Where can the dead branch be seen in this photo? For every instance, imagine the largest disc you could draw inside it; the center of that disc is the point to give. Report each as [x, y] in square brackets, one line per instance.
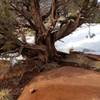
[71, 26]
[26, 17]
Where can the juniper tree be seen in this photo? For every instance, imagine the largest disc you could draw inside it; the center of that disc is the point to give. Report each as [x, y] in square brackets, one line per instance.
[42, 17]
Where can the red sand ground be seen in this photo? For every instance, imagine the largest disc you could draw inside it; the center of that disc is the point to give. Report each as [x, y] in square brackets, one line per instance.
[65, 83]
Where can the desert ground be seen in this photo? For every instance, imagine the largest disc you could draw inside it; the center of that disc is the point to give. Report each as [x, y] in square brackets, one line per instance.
[66, 83]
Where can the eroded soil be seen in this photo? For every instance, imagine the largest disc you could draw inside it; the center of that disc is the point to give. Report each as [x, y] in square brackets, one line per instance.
[55, 82]
[66, 83]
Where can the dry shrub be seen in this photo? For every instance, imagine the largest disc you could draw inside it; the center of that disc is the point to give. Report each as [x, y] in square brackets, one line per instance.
[5, 94]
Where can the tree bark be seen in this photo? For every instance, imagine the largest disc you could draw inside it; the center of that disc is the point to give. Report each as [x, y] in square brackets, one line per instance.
[45, 37]
[44, 49]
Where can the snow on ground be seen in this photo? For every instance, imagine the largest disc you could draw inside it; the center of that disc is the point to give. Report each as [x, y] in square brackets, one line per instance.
[29, 39]
[79, 40]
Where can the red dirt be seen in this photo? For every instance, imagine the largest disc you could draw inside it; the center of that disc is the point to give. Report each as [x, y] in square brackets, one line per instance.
[65, 83]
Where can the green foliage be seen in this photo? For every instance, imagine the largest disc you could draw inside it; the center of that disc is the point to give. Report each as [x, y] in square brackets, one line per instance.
[8, 46]
[98, 20]
[94, 13]
[7, 18]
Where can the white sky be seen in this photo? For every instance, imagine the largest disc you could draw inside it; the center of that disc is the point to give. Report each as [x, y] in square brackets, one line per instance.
[98, 0]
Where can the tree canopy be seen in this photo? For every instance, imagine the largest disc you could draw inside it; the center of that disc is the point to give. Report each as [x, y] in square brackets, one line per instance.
[42, 16]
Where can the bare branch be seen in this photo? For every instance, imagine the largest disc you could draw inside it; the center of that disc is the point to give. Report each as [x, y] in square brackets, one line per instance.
[38, 18]
[25, 15]
[70, 25]
[53, 12]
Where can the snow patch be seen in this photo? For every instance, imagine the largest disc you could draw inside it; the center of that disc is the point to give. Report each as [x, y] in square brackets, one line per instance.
[79, 40]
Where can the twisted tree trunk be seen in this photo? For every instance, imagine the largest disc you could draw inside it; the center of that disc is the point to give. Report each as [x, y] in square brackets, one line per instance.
[44, 49]
[45, 39]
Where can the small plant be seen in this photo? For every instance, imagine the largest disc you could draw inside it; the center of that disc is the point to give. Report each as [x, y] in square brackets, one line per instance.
[5, 94]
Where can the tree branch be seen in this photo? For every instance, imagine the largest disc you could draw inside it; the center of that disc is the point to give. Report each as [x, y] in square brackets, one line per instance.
[70, 26]
[25, 15]
[53, 12]
[38, 18]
